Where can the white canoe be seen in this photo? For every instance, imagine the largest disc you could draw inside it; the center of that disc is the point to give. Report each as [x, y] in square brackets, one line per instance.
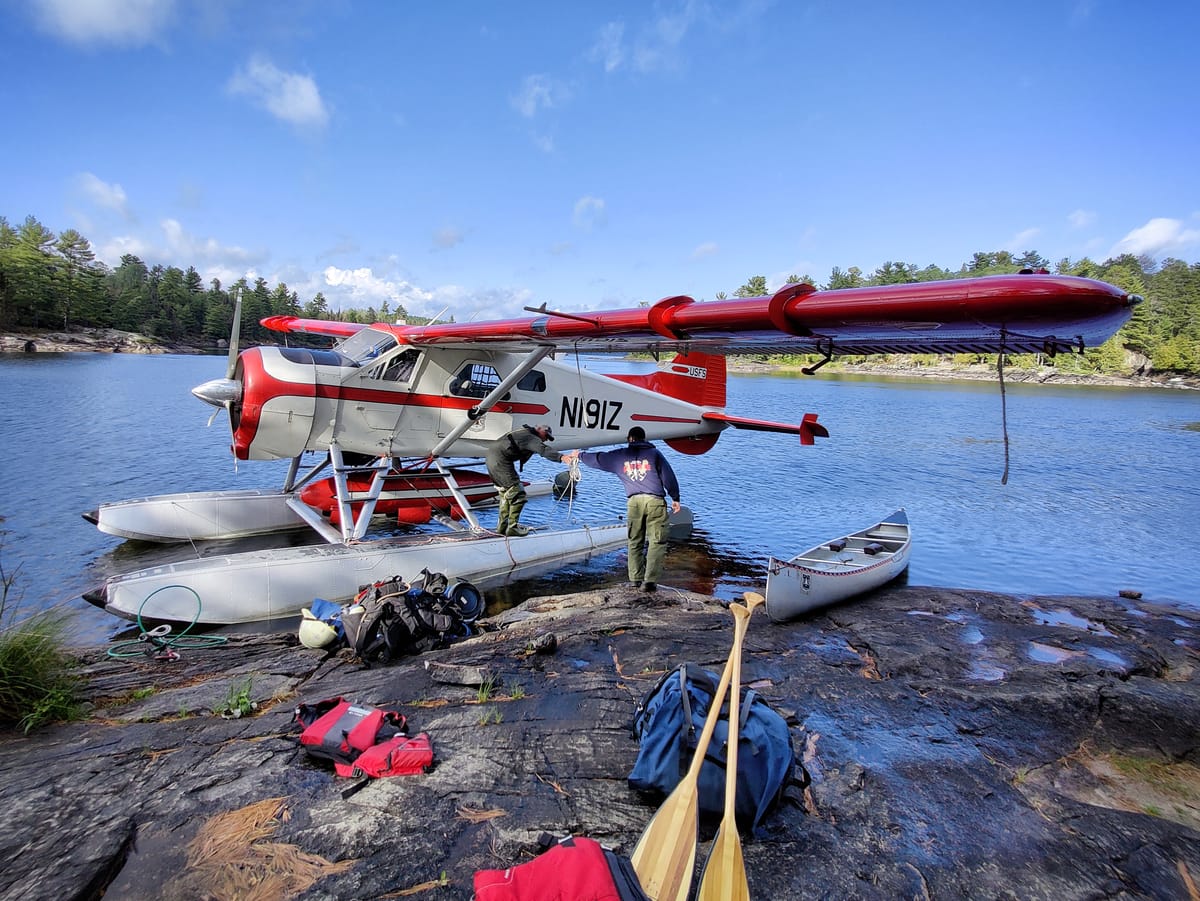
[836, 570]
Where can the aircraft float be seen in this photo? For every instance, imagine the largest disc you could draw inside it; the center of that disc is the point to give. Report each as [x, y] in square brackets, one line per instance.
[388, 406]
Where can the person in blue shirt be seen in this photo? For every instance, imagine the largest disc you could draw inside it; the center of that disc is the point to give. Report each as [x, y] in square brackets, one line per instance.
[649, 481]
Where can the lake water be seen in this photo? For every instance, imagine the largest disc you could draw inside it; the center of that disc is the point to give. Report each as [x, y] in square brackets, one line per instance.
[1102, 493]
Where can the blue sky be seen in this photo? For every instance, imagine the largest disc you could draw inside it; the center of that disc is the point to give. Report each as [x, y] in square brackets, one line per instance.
[485, 156]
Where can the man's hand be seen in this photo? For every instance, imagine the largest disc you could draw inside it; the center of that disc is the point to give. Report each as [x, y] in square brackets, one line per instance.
[570, 456]
[674, 506]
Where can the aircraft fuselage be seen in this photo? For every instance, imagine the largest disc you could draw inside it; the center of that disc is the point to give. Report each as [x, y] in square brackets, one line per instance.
[375, 397]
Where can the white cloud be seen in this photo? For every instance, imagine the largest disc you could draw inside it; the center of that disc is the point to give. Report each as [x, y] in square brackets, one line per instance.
[539, 92]
[544, 143]
[707, 249]
[658, 46]
[176, 247]
[1157, 238]
[1023, 240]
[608, 50]
[362, 288]
[182, 246]
[1082, 218]
[121, 22]
[102, 194]
[589, 213]
[448, 237]
[492, 303]
[658, 43]
[288, 96]
[111, 250]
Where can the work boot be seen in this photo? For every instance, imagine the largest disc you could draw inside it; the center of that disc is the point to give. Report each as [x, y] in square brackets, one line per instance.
[517, 530]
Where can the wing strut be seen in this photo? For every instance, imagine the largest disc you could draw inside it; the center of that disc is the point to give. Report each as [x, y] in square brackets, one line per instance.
[535, 356]
[353, 528]
[463, 504]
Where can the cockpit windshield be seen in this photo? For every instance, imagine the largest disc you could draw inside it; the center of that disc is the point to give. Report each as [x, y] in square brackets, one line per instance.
[364, 346]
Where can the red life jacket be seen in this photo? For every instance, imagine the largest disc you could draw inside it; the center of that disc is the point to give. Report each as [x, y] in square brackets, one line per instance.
[576, 867]
[362, 741]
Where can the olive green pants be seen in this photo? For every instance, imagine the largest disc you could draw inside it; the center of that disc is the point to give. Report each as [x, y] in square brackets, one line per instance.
[512, 502]
[648, 524]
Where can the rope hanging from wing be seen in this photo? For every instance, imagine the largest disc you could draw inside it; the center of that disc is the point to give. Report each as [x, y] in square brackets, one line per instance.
[574, 473]
[1003, 404]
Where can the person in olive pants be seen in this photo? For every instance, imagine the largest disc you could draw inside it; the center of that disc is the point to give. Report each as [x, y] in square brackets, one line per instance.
[648, 480]
[502, 458]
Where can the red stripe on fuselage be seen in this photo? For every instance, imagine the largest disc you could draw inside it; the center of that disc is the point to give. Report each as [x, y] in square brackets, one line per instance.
[260, 388]
[409, 399]
[646, 417]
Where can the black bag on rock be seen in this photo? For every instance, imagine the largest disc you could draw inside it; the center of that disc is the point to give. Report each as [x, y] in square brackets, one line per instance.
[392, 618]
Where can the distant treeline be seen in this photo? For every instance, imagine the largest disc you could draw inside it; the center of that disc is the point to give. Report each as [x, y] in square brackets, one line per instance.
[50, 281]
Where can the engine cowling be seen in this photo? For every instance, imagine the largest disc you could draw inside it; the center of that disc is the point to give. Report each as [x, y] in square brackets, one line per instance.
[279, 397]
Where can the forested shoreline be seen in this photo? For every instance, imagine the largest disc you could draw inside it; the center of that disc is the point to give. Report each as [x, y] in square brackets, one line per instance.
[53, 282]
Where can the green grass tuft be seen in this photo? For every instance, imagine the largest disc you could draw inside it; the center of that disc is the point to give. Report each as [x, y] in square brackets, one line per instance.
[37, 685]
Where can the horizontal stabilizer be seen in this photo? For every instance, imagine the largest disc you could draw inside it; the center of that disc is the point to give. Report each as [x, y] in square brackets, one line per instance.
[808, 429]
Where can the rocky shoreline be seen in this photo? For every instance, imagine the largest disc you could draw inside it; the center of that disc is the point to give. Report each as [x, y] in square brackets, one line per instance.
[980, 372]
[959, 744]
[107, 340]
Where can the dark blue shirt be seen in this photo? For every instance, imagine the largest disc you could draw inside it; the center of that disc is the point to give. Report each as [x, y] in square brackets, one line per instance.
[640, 467]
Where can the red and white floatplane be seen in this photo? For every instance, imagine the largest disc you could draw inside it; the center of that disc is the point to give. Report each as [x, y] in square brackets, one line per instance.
[387, 392]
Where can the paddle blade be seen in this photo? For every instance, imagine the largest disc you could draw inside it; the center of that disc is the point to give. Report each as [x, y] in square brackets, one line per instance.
[665, 856]
[753, 599]
[724, 877]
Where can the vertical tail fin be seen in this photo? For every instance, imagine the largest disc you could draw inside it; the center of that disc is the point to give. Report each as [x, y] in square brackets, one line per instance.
[695, 377]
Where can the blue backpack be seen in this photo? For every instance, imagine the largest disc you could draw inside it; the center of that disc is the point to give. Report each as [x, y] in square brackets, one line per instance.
[668, 723]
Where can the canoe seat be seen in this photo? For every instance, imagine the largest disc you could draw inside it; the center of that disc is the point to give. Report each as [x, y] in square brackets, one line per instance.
[838, 545]
[873, 548]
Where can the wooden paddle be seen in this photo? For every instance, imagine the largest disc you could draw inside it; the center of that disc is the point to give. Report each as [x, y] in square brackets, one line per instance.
[724, 875]
[665, 855]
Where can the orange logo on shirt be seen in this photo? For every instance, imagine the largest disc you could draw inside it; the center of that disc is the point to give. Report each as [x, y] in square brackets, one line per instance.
[636, 470]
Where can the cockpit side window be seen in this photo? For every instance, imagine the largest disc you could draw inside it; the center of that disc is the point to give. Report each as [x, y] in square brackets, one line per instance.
[533, 381]
[475, 380]
[400, 367]
[366, 345]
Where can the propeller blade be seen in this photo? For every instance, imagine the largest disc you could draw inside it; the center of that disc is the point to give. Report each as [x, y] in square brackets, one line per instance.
[235, 334]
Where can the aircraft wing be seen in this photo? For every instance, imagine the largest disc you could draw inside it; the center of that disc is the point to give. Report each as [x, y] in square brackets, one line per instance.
[1022, 313]
[296, 325]
[1017, 313]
